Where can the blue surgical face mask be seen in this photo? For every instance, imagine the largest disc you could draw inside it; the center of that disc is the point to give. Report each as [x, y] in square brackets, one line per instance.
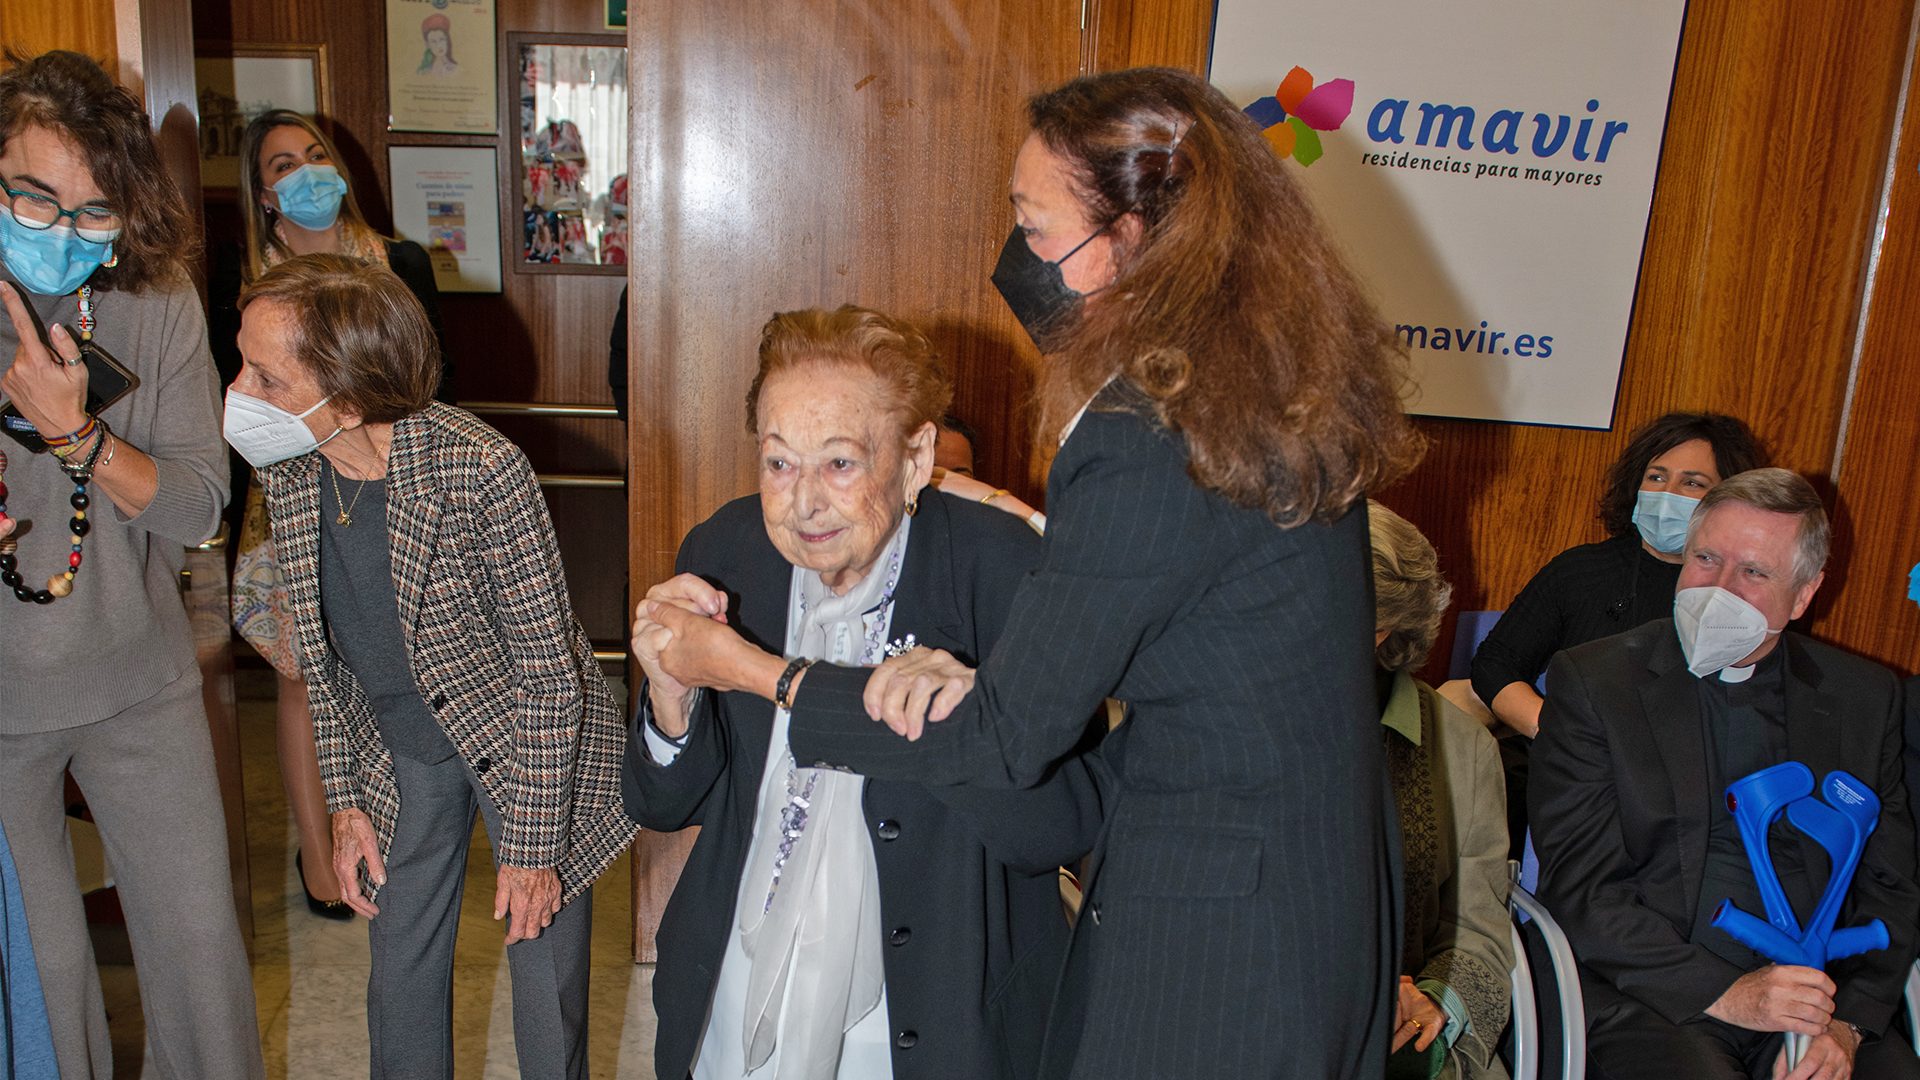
[53, 261]
[1661, 517]
[310, 196]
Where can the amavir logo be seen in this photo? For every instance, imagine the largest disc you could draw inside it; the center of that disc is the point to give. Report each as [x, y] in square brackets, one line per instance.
[1298, 111]
[1503, 132]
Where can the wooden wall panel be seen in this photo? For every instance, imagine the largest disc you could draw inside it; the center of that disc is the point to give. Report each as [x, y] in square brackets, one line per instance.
[811, 154]
[1877, 523]
[1145, 33]
[816, 154]
[86, 26]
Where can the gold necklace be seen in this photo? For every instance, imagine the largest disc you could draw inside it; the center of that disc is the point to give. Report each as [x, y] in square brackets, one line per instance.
[346, 508]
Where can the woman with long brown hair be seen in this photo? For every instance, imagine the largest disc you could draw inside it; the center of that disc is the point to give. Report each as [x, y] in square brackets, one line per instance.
[1224, 396]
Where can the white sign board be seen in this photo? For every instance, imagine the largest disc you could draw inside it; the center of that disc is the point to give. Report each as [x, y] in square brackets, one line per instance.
[447, 200]
[1491, 180]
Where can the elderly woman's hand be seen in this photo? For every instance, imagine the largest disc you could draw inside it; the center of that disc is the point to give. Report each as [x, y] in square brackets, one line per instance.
[699, 649]
[692, 592]
[1417, 1018]
[532, 897]
[670, 697]
[918, 686]
[353, 840]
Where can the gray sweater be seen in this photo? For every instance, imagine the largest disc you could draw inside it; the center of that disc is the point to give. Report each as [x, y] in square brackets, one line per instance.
[123, 633]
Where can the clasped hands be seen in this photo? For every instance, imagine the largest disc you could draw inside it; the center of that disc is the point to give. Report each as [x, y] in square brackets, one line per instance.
[1785, 997]
[682, 639]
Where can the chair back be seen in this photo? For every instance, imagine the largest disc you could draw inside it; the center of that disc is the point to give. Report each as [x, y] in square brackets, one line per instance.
[1544, 940]
[1471, 629]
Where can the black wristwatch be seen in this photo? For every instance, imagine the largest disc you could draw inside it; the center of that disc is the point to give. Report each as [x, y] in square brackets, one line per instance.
[782, 696]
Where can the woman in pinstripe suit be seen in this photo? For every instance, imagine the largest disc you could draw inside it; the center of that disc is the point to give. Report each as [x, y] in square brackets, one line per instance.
[1224, 395]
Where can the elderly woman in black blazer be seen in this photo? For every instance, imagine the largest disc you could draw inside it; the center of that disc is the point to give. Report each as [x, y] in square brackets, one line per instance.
[829, 926]
[1224, 395]
[445, 670]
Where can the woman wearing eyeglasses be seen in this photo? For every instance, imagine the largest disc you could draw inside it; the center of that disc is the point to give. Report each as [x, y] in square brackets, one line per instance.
[97, 671]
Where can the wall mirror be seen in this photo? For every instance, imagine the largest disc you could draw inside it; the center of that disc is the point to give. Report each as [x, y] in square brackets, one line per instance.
[569, 93]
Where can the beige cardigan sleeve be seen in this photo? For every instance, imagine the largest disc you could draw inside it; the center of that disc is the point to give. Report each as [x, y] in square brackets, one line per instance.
[1471, 948]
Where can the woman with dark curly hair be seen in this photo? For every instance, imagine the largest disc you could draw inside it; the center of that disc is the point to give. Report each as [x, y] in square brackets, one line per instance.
[97, 672]
[1224, 396]
[1598, 590]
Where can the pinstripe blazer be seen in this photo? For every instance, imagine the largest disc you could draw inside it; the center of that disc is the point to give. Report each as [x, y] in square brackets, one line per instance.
[1243, 916]
[494, 645]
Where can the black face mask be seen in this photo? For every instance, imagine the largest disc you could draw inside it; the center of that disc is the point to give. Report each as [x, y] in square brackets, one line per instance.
[1035, 289]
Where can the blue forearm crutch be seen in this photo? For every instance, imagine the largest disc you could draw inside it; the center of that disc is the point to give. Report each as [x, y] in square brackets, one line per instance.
[1841, 825]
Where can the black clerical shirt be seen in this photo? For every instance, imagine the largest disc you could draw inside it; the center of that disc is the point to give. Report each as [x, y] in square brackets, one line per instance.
[1745, 729]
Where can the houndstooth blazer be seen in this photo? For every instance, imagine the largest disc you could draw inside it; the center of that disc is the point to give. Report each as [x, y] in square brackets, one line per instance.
[494, 645]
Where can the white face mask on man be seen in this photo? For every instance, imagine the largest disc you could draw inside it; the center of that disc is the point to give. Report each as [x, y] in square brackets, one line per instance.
[265, 433]
[1717, 628]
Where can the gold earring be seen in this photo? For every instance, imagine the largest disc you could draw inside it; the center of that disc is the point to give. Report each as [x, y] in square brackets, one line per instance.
[913, 505]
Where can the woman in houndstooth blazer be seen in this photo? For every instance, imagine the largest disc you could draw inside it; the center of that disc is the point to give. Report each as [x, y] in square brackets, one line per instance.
[446, 671]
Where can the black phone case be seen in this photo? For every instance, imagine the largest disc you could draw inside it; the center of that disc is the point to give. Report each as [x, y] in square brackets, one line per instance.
[107, 382]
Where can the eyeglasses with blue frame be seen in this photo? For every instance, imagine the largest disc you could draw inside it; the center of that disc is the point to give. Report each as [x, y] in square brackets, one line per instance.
[40, 212]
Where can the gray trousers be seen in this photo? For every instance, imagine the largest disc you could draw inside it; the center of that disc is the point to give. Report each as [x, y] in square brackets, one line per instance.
[148, 777]
[410, 992]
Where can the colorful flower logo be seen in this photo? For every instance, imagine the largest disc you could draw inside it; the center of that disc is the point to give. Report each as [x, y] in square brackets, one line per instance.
[1298, 111]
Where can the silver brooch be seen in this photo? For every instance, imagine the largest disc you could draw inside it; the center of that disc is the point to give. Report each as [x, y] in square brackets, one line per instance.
[902, 648]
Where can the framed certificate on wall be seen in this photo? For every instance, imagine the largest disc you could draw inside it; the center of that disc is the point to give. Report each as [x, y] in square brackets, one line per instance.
[446, 199]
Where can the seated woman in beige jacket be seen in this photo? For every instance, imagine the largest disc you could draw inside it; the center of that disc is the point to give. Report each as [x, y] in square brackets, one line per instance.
[1453, 828]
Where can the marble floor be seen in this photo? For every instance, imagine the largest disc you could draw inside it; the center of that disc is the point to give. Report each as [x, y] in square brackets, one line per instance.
[310, 974]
